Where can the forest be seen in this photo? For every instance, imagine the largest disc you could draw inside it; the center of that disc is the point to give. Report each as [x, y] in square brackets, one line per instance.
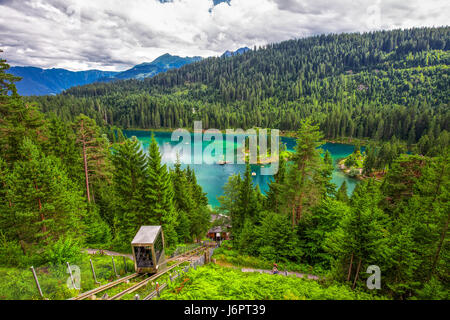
[70, 179]
[376, 85]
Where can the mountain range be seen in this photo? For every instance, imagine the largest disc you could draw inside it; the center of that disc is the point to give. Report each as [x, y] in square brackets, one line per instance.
[150, 69]
[37, 81]
[234, 53]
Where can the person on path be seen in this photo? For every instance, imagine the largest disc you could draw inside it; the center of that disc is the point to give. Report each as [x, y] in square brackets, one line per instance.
[275, 269]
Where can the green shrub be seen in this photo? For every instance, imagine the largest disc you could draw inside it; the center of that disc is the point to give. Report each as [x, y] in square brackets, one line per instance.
[11, 254]
[353, 172]
[433, 290]
[235, 258]
[214, 282]
[62, 251]
[350, 162]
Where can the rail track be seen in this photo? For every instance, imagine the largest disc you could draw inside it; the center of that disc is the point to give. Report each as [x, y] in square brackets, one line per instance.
[184, 257]
[142, 283]
[107, 286]
[200, 248]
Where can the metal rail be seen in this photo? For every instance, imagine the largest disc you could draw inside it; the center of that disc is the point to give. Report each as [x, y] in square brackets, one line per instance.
[187, 252]
[155, 276]
[156, 292]
[104, 287]
[109, 285]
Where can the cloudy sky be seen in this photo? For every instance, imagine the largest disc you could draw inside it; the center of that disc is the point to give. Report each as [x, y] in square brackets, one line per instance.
[117, 34]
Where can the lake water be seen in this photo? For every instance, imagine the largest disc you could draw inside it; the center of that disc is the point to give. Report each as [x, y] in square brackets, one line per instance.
[212, 177]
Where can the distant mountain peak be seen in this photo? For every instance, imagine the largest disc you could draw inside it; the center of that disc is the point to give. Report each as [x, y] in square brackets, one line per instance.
[235, 53]
[37, 81]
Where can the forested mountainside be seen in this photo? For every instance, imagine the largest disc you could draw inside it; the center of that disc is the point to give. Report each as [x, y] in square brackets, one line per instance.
[37, 81]
[372, 85]
[69, 181]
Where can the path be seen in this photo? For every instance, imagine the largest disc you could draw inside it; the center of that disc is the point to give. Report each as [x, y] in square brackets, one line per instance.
[283, 273]
[109, 253]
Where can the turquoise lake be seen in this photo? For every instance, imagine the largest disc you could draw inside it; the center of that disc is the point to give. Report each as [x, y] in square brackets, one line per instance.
[212, 177]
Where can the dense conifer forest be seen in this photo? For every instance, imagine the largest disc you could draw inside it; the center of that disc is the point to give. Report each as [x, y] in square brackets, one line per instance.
[376, 85]
[69, 179]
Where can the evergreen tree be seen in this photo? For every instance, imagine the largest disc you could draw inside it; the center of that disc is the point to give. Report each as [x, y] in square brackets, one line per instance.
[369, 160]
[159, 194]
[183, 192]
[45, 205]
[129, 179]
[229, 200]
[246, 203]
[198, 196]
[94, 152]
[304, 186]
[17, 118]
[342, 193]
[360, 239]
[312, 231]
[327, 173]
[274, 195]
[61, 143]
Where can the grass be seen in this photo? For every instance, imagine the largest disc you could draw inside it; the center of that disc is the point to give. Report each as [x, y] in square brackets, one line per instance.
[228, 257]
[220, 283]
[19, 284]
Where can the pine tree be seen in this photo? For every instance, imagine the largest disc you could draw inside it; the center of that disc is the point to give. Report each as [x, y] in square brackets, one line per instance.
[369, 160]
[402, 260]
[159, 194]
[304, 186]
[275, 193]
[246, 203]
[183, 193]
[360, 239]
[342, 193]
[17, 118]
[229, 200]
[327, 172]
[45, 203]
[313, 230]
[94, 152]
[200, 221]
[62, 144]
[198, 196]
[129, 179]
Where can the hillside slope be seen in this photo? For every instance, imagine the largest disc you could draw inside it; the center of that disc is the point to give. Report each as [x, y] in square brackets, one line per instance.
[37, 81]
[372, 85]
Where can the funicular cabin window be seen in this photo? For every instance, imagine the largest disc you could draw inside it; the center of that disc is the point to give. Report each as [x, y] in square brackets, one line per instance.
[144, 257]
[158, 245]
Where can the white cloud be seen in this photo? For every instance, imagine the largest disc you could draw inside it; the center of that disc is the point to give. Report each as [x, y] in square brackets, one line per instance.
[114, 34]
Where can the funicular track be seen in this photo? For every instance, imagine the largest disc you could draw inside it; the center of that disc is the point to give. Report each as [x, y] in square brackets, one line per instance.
[107, 286]
[184, 257]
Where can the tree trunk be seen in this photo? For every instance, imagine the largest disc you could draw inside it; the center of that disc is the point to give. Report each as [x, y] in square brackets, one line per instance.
[44, 229]
[300, 207]
[350, 268]
[22, 246]
[357, 274]
[293, 216]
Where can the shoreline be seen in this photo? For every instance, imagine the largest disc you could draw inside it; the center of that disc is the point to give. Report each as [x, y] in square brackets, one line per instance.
[284, 134]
